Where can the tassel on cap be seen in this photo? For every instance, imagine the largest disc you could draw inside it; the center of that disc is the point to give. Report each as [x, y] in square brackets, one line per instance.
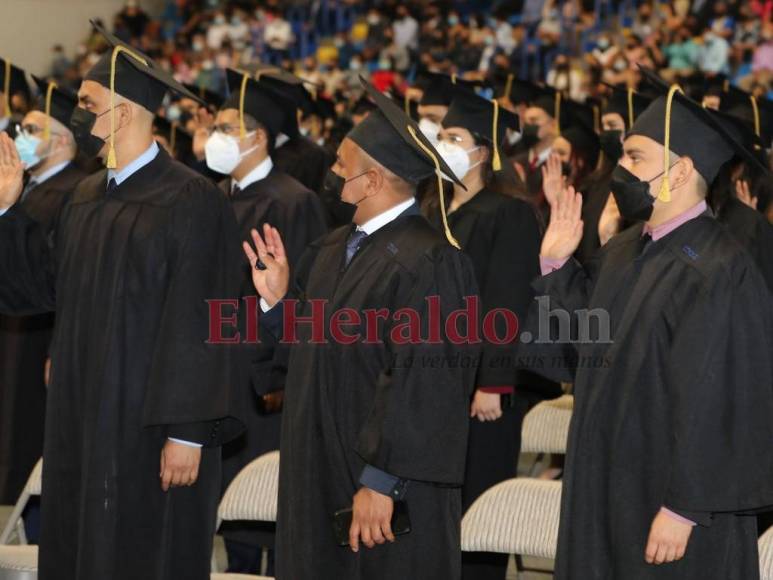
[665, 188]
[496, 162]
[557, 115]
[49, 94]
[111, 160]
[630, 108]
[431, 155]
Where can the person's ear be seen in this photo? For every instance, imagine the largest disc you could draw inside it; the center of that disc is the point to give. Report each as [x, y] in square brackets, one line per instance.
[123, 116]
[682, 171]
[375, 181]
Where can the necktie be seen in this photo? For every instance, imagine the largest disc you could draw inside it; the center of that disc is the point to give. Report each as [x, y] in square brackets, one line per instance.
[112, 184]
[353, 244]
[31, 184]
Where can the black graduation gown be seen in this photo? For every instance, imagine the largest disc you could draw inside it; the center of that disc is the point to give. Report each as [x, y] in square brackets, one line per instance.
[304, 160]
[753, 231]
[128, 276]
[673, 411]
[297, 213]
[399, 407]
[501, 236]
[24, 342]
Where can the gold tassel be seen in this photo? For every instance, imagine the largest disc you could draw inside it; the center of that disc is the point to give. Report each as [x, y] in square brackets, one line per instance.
[449, 236]
[665, 188]
[173, 136]
[496, 162]
[756, 111]
[242, 93]
[7, 88]
[509, 85]
[407, 104]
[558, 113]
[630, 108]
[49, 94]
[453, 79]
[111, 159]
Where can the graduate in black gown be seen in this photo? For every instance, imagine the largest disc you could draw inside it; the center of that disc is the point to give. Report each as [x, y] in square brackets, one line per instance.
[47, 149]
[295, 154]
[669, 451]
[618, 113]
[501, 236]
[14, 92]
[139, 402]
[258, 193]
[745, 223]
[383, 417]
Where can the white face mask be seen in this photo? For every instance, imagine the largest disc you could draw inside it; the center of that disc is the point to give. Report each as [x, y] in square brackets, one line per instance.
[223, 153]
[457, 158]
[430, 130]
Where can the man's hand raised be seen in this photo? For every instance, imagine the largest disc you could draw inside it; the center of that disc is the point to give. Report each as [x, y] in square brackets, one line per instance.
[11, 173]
[564, 231]
[270, 269]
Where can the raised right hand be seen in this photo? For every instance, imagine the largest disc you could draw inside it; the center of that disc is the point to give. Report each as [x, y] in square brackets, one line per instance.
[11, 173]
[564, 231]
[271, 283]
[553, 180]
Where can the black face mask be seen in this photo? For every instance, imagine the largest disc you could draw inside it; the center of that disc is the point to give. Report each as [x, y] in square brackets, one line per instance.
[566, 168]
[341, 211]
[530, 135]
[611, 144]
[81, 124]
[632, 194]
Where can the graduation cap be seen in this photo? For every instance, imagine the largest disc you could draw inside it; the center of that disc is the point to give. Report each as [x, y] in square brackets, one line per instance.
[550, 100]
[409, 106]
[683, 126]
[134, 76]
[180, 141]
[581, 128]
[515, 89]
[211, 98]
[394, 140]
[363, 105]
[440, 88]
[254, 98]
[324, 108]
[58, 103]
[14, 81]
[483, 117]
[625, 102]
[757, 111]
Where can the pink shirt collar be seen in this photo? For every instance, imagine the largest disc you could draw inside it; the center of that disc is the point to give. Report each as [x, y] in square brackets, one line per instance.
[667, 227]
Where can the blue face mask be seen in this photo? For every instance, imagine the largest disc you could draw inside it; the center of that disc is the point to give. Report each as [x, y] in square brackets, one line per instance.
[26, 147]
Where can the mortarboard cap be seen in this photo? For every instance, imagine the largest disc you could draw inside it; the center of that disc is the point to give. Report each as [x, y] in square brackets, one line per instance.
[254, 98]
[625, 102]
[395, 141]
[134, 76]
[483, 117]
[683, 126]
[13, 81]
[57, 102]
[211, 98]
[440, 88]
[179, 140]
[756, 111]
[516, 90]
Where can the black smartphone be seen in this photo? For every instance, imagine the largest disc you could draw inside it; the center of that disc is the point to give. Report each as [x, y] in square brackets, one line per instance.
[342, 522]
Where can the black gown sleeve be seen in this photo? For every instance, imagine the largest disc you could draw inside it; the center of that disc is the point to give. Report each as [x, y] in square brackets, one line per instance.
[513, 265]
[27, 265]
[417, 427]
[191, 389]
[720, 380]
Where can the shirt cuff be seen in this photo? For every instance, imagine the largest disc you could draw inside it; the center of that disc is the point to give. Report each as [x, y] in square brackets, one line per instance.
[548, 265]
[188, 443]
[677, 517]
[383, 482]
[502, 390]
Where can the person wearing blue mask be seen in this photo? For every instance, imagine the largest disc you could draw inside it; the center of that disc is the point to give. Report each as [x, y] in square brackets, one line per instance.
[46, 148]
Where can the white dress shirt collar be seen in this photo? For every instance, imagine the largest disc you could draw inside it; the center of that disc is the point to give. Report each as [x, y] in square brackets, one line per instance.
[382, 219]
[133, 167]
[260, 171]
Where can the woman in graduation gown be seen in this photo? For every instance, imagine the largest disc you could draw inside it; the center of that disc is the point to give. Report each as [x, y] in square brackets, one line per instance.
[669, 451]
[501, 236]
[140, 399]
